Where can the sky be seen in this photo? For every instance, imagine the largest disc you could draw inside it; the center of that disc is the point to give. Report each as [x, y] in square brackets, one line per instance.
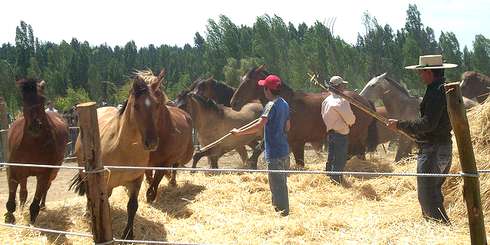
[175, 22]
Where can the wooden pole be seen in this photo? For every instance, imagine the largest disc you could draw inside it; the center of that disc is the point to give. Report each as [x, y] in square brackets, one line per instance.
[4, 125]
[97, 200]
[471, 187]
[359, 105]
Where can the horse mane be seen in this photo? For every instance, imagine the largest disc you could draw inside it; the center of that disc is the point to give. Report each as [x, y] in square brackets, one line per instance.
[208, 103]
[148, 76]
[398, 85]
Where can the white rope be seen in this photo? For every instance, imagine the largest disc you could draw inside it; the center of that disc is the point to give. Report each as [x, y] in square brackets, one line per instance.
[79, 234]
[70, 233]
[3, 130]
[152, 242]
[234, 170]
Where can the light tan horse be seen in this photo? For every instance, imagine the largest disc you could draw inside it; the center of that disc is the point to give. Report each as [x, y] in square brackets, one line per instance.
[127, 137]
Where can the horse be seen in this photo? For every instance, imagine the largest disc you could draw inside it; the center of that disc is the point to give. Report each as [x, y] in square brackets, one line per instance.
[127, 136]
[475, 86]
[213, 121]
[175, 146]
[399, 104]
[306, 122]
[37, 137]
[221, 93]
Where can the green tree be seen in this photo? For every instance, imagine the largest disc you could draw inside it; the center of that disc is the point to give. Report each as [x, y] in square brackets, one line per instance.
[452, 54]
[481, 54]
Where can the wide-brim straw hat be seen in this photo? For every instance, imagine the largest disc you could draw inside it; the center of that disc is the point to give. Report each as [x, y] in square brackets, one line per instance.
[336, 80]
[431, 62]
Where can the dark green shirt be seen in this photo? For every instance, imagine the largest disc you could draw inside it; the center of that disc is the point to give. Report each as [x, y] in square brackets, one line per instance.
[433, 126]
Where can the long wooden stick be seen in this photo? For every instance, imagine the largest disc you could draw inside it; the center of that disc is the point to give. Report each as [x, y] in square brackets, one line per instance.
[357, 104]
[211, 145]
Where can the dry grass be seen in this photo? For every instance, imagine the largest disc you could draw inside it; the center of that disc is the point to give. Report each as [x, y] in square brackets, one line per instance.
[225, 208]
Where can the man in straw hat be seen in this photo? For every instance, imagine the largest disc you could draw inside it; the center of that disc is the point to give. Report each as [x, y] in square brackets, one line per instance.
[433, 133]
[338, 117]
[275, 122]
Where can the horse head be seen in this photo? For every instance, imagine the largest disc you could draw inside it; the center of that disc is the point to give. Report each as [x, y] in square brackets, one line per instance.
[248, 89]
[32, 92]
[144, 108]
[375, 88]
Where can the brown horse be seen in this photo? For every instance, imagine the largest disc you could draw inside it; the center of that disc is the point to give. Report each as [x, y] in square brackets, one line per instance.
[213, 121]
[37, 137]
[306, 121]
[475, 86]
[127, 136]
[175, 138]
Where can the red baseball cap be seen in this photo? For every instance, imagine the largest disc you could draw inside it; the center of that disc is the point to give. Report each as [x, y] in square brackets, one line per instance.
[271, 82]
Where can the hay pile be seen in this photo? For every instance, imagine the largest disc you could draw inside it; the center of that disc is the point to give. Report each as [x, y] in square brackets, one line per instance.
[236, 209]
[479, 122]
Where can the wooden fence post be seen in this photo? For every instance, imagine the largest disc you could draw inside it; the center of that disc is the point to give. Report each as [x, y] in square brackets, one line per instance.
[471, 187]
[4, 125]
[97, 199]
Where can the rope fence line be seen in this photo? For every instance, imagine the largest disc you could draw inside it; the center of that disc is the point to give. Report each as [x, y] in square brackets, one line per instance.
[79, 234]
[237, 170]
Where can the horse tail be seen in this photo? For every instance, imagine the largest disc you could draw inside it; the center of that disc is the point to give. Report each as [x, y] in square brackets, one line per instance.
[78, 184]
[372, 137]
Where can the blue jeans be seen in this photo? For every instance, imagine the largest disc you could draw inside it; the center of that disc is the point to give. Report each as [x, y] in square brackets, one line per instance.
[337, 154]
[278, 184]
[433, 158]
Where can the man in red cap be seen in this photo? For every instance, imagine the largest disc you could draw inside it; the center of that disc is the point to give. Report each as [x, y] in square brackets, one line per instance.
[275, 121]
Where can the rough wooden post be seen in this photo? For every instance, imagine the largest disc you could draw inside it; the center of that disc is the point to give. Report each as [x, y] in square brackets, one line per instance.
[471, 187]
[4, 125]
[97, 200]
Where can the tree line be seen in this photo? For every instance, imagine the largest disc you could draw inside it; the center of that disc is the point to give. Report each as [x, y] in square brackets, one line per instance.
[76, 71]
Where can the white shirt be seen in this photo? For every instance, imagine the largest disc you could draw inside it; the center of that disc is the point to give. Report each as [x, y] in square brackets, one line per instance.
[53, 110]
[337, 114]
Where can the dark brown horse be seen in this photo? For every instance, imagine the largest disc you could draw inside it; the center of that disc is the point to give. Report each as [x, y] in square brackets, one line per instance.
[220, 92]
[306, 121]
[37, 137]
[175, 147]
[127, 136]
[475, 86]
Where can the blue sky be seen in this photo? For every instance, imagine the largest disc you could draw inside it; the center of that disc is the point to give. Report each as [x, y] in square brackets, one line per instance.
[175, 22]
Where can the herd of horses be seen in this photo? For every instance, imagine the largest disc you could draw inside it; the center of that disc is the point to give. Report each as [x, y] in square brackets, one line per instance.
[152, 130]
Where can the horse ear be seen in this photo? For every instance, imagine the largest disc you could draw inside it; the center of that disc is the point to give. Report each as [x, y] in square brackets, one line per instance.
[161, 76]
[42, 85]
[260, 68]
[156, 84]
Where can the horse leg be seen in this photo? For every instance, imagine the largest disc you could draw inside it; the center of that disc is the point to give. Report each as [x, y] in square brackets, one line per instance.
[173, 179]
[257, 150]
[42, 206]
[196, 159]
[133, 190]
[23, 192]
[214, 161]
[41, 189]
[298, 149]
[151, 193]
[9, 215]
[243, 153]
[149, 176]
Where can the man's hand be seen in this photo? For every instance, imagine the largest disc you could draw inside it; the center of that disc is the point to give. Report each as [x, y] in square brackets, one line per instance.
[235, 131]
[392, 124]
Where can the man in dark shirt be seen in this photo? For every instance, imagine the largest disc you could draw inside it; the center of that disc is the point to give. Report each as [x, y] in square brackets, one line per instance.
[275, 122]
[433, 133]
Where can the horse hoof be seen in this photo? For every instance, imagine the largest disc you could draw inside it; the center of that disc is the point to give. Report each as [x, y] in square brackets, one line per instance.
[173, 183]
[150, 196]
[9, 218]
